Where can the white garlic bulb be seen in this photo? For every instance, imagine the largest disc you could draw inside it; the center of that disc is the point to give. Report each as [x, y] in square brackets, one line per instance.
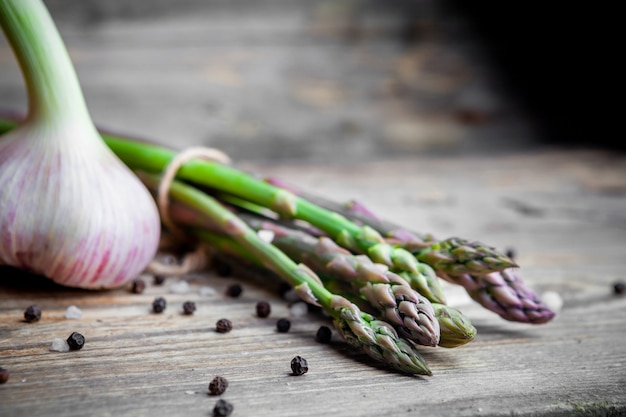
[69, 208]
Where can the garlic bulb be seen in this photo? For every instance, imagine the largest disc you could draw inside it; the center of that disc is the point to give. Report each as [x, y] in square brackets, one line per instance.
[69, 208]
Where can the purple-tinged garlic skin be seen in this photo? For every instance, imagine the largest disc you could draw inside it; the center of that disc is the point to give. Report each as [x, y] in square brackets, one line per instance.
[71, 210]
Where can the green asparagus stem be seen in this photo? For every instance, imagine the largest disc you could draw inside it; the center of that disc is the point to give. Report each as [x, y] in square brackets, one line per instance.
[455, 328]
[411, 314]
[425, 282]
[452, 256]
[455, 256]
[376, 338]
[503, 292]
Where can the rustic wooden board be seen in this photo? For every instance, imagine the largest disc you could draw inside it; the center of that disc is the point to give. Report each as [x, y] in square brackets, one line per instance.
[345, 85]
[562, 212]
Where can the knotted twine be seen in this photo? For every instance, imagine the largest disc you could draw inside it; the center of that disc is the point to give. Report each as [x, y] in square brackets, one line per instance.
[200, 257]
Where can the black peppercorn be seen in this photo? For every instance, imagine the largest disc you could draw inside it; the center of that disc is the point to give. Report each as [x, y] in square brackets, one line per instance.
[4, 375]
[234, 290]
[76, 341]
[510, 252]
[138, 286]
[189, 307]
[283, 325]
[299, 366]
[263, 309]
[159, 279]
[159, 304]
[223, 326]
[619, 288]
[323, 334]
[32, 313]
[222, 408]
[218, 385]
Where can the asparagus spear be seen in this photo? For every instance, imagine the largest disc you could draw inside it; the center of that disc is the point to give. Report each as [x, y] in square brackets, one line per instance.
[375, 337]
[332, 262]
[503, 292]
[452, 256]
[455, 328]
[409, 312]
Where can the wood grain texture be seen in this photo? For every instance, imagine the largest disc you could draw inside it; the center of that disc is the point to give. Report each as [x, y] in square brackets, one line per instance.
[277, 81]
[562, 213]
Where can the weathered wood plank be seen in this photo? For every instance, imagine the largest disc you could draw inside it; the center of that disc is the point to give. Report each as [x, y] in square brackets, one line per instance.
[136, 363]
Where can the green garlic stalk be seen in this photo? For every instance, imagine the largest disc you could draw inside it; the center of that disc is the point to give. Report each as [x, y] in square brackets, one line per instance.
[376, 338]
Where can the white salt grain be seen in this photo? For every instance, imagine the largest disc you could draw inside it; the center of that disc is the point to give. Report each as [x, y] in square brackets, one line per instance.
[298, 309]
[553, 300]
[180, 287]
[266, 235]
[206, 291]
[73, 313]
[59, 345]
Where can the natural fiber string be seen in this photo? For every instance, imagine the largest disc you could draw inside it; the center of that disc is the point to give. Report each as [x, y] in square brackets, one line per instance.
[201, 256]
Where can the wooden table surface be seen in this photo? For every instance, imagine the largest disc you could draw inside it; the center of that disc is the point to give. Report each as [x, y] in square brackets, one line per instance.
[563, 214]
[346, 109]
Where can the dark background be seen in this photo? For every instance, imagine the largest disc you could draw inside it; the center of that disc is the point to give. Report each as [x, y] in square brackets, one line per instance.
[336, 79]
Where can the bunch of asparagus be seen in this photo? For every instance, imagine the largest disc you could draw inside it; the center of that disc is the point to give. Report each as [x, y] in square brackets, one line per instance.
[378, 282]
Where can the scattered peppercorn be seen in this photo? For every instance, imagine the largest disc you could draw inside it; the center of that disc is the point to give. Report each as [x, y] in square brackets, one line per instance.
[189, 307]
[263, 309]
[159, 279]
[138, 286]
[76, 341]
[222, 408]
[323, 334]
[4, 375]
[619, 288]
[510, 252]
[223, 326]
[234, 290]
[283, 325]
[218, 385]
[159, 304]
[32, 313]
[299, 366]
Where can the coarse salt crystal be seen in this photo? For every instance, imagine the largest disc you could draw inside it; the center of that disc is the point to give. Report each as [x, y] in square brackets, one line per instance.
[553, 300]
[266, 235]
[180, 287]
[206, 291]
[73, 313]
[298, 309]
[59, 345]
